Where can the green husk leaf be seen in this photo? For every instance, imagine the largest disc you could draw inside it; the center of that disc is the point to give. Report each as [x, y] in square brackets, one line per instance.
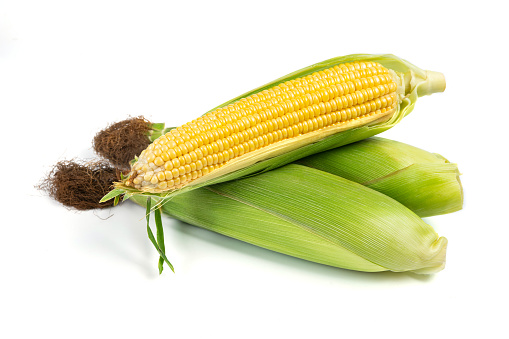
[160, 238]
[160, 235]
[424, 182]
[112, 194]
[317, 216]
[418, 87]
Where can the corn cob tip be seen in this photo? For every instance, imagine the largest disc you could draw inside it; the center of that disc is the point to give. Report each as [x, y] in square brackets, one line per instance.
[434, 83]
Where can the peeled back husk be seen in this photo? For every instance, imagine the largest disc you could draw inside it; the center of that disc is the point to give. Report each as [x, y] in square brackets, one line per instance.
[425, 182]
[316, 216]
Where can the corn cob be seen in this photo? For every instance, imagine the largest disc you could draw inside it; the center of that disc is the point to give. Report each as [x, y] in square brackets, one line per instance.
[326, 105]
[327, 219]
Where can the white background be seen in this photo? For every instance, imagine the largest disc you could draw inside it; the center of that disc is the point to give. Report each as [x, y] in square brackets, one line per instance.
[69, 68]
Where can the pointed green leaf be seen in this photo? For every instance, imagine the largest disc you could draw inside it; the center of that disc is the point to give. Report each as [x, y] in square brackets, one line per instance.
[112, 194]
[160, 234]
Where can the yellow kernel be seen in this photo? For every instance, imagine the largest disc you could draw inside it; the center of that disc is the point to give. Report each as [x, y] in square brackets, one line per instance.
[215, 134]
[214, 147]
[270, 138]
[193, 156]
[320, 121]
[203, 150]
[168, 165]
[235, 150]
[321, 106]
[183, 149]
[241, 149]
[210, 149]
[165, 156]
[251, 145]
[161, 176]
[182, 170]
[172, 154]
[199, 165]
[219, 157]
[168, 175]
[162, 185]
[175, 162]
[159, 161]
[154, 180]
[190, 145]
[210, 159]
[148, 176]
[199, 140]
[236, 139]
[171, 144]
[224, 156]
[178, 151]
[151, 158]
[263, 140]
[289, 132]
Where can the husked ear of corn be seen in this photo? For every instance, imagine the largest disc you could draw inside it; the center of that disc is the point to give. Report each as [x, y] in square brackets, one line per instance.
[320, 107]
[424, 182]
[314, 215]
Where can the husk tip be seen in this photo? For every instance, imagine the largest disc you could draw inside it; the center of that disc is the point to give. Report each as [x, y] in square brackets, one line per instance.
[437, 262]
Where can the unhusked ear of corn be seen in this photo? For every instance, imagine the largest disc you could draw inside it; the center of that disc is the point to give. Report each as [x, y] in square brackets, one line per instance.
[326, 105]
[424, 182]
[317, 216]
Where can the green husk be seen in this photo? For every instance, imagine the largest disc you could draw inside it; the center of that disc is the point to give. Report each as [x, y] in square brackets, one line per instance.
[420, 83]
[424, 182]
[316, 216]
